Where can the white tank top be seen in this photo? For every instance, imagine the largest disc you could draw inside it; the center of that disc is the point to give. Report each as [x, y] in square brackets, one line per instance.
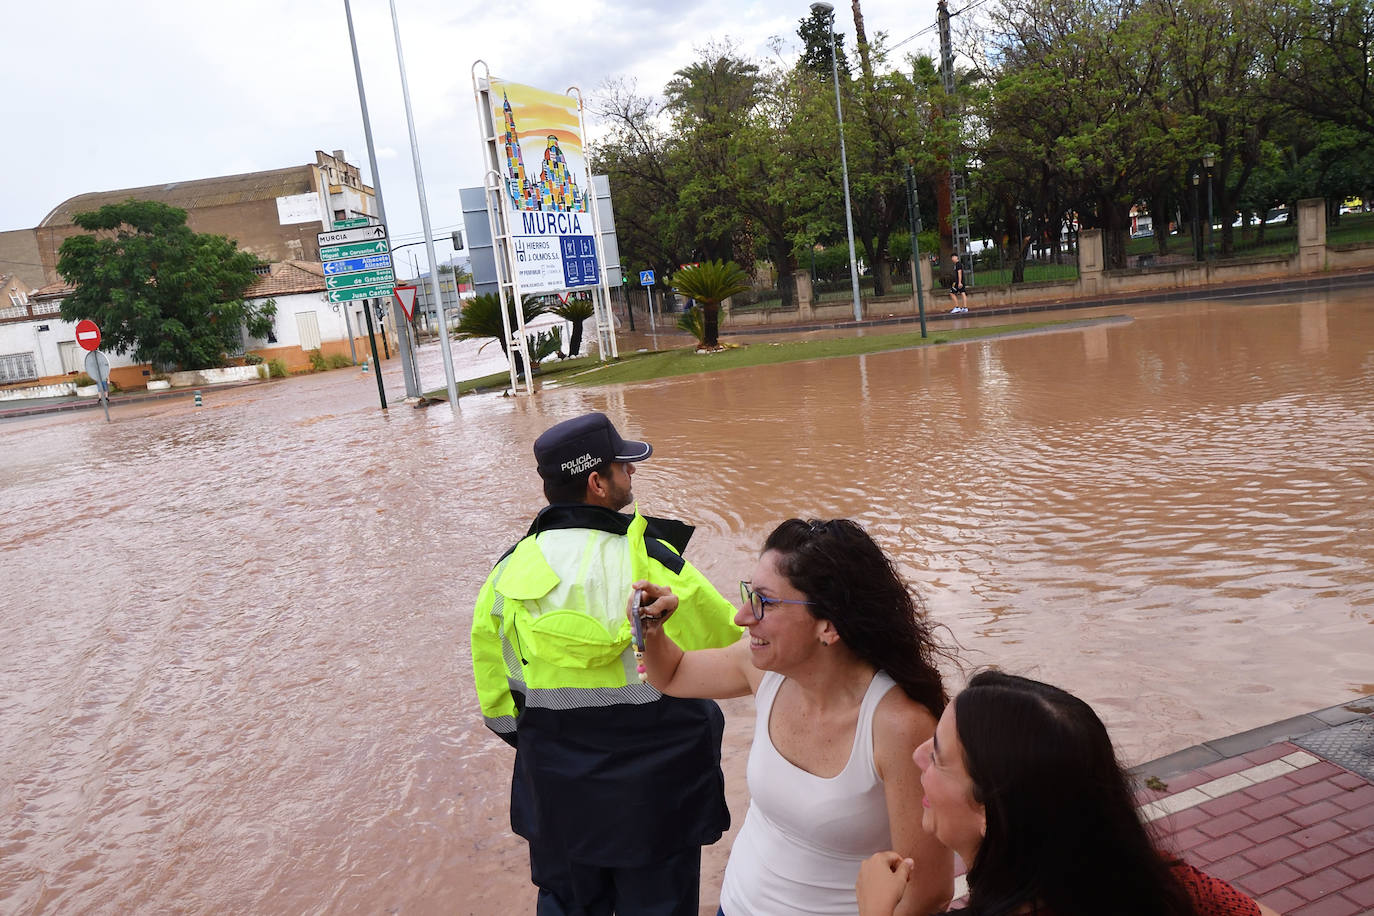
[805, 836]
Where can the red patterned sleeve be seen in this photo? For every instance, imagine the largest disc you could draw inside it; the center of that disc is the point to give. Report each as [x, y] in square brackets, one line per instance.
[1213, 896]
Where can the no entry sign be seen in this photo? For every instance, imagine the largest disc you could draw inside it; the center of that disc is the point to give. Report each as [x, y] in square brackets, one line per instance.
[87, 334]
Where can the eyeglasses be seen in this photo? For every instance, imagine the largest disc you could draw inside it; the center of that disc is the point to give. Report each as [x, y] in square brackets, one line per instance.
[758, 603]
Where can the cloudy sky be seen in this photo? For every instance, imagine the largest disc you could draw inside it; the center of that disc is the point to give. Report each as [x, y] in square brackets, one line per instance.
[103, 95]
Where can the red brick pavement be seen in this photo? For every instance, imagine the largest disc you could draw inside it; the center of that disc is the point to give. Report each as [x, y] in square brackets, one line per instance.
[1300, 840]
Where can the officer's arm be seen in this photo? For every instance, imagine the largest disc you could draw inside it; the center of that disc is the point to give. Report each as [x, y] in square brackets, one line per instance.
[489, 669]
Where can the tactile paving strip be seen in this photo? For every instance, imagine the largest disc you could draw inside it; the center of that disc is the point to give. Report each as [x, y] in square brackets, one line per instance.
[1350, 745]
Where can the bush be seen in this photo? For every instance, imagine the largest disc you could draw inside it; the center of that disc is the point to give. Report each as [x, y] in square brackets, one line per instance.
[317, 363]
[693, 322]
[544, 344]
[83, 380]
[159, 377]
[276, 368]
[338, 361]
[252, 359]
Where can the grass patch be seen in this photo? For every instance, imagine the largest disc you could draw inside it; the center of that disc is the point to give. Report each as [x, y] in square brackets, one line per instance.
[1035, 273]
[643, 367]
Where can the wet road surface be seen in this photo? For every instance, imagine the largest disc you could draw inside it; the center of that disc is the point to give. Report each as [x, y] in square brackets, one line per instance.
[237, 676]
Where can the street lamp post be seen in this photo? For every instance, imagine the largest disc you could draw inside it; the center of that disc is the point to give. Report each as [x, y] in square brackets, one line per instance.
[829, 12]
[1208, 161]
[1197, 219]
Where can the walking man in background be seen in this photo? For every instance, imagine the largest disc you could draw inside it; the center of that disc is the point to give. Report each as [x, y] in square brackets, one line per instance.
[957, 288]
[615, 786]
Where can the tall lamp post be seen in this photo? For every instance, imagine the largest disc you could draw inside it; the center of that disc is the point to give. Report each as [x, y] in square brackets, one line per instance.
[828, 11]
[1208, 160]
[1197, 219]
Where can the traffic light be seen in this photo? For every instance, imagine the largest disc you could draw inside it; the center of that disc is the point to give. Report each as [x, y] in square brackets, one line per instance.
[457, 239]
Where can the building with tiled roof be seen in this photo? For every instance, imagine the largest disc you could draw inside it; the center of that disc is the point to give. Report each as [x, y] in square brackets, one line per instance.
[38, 347]
[275, 214]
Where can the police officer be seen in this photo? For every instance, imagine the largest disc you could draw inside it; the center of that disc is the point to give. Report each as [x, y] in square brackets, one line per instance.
[615, 787]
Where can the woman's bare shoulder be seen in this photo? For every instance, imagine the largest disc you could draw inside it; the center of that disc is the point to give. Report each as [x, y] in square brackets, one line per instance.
[902, 719]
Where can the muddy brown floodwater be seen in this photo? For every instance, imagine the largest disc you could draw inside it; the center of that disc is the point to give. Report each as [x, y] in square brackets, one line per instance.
[236, 674]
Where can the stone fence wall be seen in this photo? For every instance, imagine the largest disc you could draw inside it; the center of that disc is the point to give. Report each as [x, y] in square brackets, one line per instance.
[1094, 282]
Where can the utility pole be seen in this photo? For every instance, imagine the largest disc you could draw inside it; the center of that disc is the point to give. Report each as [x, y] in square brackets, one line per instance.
[405, 344]
[958, 195]
[444, 343]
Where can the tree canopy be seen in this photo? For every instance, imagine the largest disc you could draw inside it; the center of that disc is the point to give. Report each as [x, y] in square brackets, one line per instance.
[171, 297]
[1074, 113]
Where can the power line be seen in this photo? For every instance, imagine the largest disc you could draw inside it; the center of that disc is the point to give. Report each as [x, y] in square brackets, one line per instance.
[930, 28]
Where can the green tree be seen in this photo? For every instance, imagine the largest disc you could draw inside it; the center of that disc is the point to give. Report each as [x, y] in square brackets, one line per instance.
[641, 159]
[1092, 77]
[1321, 60]
[814, 31]
[171, 297]
[710, 283]
[1216, 92]
[711, 101]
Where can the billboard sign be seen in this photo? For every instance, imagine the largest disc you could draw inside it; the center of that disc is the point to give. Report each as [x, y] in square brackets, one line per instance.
[546, 188]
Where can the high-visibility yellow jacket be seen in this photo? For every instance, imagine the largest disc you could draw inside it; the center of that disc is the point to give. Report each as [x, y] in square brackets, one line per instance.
[607, 769]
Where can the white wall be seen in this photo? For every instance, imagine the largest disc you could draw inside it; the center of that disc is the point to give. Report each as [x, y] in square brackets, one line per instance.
[27, 337]
[331, 322]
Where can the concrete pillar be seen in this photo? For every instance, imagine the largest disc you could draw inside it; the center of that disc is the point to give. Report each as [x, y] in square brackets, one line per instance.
[802, 281]
[1090, 261]
[1311, 235]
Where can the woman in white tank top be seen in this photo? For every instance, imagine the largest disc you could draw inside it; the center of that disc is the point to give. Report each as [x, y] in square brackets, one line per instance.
[831, 630]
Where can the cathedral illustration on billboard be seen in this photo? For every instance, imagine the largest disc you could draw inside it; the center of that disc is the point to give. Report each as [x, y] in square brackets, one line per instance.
[555, 190]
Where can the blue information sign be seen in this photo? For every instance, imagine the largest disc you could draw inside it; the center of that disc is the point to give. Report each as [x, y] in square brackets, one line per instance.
[579, 260]
[646, 278]
[354, 265]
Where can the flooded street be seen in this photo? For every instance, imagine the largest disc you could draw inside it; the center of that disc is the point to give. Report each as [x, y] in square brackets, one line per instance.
[236, 671]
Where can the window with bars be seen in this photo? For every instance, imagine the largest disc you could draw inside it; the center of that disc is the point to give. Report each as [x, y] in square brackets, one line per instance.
[17, 367]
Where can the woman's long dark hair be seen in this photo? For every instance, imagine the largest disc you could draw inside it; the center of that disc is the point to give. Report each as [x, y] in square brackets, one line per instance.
[854, 586]
[1062, 829]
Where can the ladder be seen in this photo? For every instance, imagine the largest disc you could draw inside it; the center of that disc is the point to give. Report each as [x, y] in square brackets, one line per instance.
[958, 190]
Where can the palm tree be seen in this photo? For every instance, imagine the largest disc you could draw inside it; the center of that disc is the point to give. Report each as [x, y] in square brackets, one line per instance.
[710, 283]
[482, 318]
[576, 309]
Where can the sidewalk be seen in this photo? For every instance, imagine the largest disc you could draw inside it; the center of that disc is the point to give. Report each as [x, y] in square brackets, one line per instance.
[1285, 812]
[72, 402]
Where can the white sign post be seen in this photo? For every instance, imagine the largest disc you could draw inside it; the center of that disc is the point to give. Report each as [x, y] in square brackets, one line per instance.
[98, 368]
[540, 204]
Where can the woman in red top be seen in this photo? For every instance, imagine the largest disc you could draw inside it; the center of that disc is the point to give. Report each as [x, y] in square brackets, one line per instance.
[1021, 780]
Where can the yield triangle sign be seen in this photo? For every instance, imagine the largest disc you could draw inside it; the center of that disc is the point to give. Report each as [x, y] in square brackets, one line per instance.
[405, 298]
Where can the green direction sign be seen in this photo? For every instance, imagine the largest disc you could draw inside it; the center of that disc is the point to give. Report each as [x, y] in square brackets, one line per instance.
[361, 292]
[357, 249]
[365, 278]
[351, 223]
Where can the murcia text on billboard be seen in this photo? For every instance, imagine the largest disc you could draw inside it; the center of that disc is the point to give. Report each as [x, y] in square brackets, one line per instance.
[551, 223]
